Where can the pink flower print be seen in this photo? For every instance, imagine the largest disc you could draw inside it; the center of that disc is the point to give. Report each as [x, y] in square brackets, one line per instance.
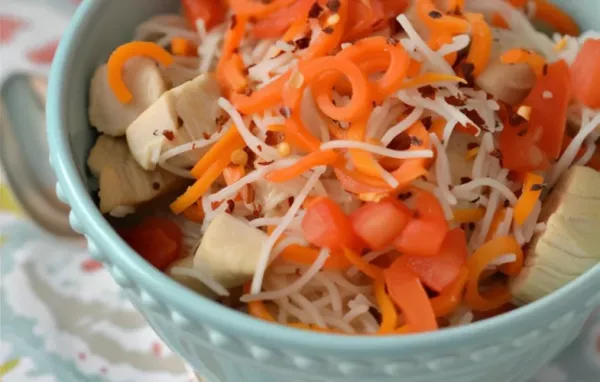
[10, 26]
[89, 266]
[44, 54]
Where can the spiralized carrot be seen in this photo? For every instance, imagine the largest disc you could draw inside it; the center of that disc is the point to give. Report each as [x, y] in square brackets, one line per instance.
[357, 183]
[496, 221]
[498, 21]
[534, 60]
[481, 43]
[363, 51]
[233, 73]
[373, 271]
[233, 174]
[232, 41]
[555, 17]
[183, 47]
[262, 99]
[532, 190]
[310, 71]
[306, 163]
[389, 315]
[328, 41]
[202, 185]
[216, 151]
[307, 256]
[450, 298]
[297, 135]
[122, 54]
[430, 79]
[470, 215]
[194, 213]
[437, 21]
[257, 9]
[412, 169]
[336, 131]
[477, 264]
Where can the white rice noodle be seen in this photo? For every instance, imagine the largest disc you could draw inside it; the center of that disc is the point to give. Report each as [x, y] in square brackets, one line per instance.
[423, 185]
[517, 22]
[590, 150]
[435, 60]
[333, 293]
[261, 71]
[266, 152]
[256, 175]
[492, 206]
[570, 153]
[519, 234]
[414, 99]
[388, 177]
[402, 126]
[369, 323]
[504, 227]
[347, 286]
[311, 117]
[489, 182]
[375, 149]
[355, 312]
[540, 228]
[284, 269]
[204, 277]
[377, 117]
[458, 43]
[443, 173]
[309, 308]
[287, 309]
[209, 49]
[487, 145]
[371, 256]
[294, 287]
[340, 324]
[456, 114]
[448, 130]
[266, 257]
[446, 207]
[265, 222]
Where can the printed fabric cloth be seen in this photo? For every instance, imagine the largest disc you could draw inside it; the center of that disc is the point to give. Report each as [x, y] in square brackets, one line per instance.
[62, 317]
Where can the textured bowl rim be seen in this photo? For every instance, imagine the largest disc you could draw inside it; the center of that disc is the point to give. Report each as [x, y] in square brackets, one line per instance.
[99, 232]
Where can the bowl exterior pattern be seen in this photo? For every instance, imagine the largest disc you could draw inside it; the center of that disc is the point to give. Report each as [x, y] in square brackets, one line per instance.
[227, 347]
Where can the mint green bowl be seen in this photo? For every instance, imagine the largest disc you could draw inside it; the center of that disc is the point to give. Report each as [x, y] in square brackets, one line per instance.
[227, 346]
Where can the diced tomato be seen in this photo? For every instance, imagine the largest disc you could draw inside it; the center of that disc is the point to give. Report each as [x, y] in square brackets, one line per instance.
[358, 183]
[211, 11]
[519, 144]
[408, 293]
[425, 233]
[276, 24]
[585, 74]
[440, 271]
[549, 113]
[157, 240]
[378, 224]
[325, 225]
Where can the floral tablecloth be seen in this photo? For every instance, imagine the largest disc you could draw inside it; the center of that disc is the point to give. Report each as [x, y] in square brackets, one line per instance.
[62, 318]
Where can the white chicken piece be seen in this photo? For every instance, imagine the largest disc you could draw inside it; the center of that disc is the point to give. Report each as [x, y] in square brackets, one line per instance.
[230, 250]
[183, 114]
[569, 245]
[510, 83]
[109, 115]
[123, 183]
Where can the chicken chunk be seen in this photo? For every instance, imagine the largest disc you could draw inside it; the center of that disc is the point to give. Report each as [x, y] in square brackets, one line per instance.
[230, 249]
[510, 83]
[569, 245]
[123, 183]
[107, 114]
[185, 113]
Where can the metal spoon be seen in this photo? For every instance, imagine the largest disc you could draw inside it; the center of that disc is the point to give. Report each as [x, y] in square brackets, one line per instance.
[24, 153]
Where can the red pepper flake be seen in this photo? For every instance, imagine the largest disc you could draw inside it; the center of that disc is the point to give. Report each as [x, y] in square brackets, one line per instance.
[315, 11]
[291, 200]
[259, 148]
[415, 141]
[222, 120]
[157, 349]
[435, 14]
[266, 163]
[454, 101]
[273, 138]
[233, 21]
[474, 116]
[465, 180]
[545, 70]
[230, 206]
[506, 203]
[286, 112]
[328, 30]
[334, 5]
[302, 43]
[169, 135]
[427, 122]
[156, 186]
[392, 41]
[405, 196]
[538, 187]
[427, 92]
[522, 132]
[467, 69]
[472, 226]
[206, 135]
[82, 356]
[90, 265]
[104, 370]
[179, 122]
[401, 142]
[472, 146]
